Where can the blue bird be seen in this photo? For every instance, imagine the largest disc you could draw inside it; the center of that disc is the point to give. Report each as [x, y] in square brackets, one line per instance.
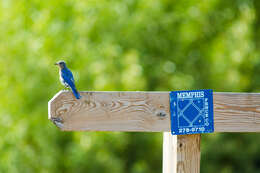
[66, 78]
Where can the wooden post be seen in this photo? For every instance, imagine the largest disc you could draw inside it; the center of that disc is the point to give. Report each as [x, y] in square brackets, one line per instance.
[181, 154]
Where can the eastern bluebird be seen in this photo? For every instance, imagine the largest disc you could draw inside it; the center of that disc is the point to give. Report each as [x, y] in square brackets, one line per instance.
[66, 78]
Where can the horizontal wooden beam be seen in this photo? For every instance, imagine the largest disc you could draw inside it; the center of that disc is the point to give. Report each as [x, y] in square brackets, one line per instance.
[147, 111]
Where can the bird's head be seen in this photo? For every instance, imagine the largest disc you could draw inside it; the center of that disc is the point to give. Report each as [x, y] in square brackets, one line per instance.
[61, 64]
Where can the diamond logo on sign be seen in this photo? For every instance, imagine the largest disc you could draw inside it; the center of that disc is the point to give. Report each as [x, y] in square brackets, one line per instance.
[191, 112]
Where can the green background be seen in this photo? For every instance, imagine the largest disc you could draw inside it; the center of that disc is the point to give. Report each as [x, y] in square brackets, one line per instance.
[143, 45]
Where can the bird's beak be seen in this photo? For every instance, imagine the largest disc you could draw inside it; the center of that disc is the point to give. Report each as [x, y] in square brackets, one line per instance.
[56, 63]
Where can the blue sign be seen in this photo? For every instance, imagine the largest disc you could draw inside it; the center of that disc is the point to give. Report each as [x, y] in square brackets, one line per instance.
[191, 112]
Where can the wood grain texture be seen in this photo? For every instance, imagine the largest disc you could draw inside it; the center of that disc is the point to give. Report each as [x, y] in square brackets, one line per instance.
[237, 112]
[147, 111]
[111, 111]
[181, 153]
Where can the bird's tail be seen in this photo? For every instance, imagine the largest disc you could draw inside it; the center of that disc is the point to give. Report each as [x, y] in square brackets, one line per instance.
[76, 93]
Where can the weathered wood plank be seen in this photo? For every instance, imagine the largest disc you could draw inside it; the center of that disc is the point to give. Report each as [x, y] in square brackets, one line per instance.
[147, 111]
[111, 111]
[181, 153]
[237, 112]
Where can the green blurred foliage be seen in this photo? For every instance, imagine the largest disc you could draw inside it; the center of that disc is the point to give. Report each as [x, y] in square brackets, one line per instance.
[121, 45]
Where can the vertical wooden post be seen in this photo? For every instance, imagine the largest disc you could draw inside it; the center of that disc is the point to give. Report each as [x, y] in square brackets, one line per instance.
[181, 154]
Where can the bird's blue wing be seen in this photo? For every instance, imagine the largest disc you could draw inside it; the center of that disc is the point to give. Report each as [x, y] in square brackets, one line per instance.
[69, 80]
[68, 77]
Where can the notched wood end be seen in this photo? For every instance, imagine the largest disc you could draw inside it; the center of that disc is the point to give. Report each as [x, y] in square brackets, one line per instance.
[58, 121]
[50, 107]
